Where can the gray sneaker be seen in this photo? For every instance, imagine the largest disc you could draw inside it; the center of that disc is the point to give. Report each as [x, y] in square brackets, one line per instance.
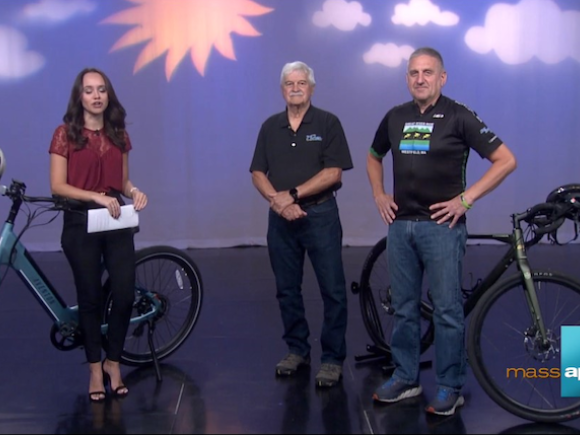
[290, 364]
[394, 390]
[445, 402]
[328, 375]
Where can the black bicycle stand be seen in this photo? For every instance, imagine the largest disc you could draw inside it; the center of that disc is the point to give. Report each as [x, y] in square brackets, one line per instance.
[388, 367]
[150, 331]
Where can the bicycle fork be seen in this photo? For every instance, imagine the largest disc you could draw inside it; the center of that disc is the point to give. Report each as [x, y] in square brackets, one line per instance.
[530, 291]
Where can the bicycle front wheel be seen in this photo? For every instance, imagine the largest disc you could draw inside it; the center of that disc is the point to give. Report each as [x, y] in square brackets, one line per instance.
[507, 355]
[375, 302]
[174, 279]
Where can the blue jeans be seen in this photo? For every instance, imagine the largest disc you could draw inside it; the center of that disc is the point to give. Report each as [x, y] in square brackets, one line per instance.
[320, 235]
[415, 248]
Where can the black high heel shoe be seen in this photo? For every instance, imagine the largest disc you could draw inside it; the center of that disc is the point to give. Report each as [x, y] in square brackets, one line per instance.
[120, 391]
[97, 396]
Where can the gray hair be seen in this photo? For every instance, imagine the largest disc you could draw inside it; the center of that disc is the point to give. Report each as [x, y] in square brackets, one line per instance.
[297, 66]
[428, 51]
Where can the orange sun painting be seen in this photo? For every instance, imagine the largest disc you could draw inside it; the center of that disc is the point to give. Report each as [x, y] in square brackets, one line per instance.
[179, 26]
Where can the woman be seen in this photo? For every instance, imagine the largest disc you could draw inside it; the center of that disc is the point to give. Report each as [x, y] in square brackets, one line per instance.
[89, 162]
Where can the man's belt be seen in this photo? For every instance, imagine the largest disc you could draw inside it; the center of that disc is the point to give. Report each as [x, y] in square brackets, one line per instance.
[315, 199]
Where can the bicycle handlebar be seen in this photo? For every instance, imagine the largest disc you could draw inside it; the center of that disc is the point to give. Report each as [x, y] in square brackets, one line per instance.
[59, 202]
[547, 217]
[17, 189]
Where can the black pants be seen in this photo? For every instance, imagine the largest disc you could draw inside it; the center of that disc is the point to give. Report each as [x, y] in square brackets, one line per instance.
[87, 253]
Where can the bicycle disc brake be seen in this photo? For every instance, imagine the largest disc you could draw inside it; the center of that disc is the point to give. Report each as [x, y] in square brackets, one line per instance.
[385, 298]
[65, 336]
[537, 348]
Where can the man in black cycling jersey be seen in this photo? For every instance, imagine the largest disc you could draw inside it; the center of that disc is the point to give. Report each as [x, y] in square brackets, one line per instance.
[430, 138]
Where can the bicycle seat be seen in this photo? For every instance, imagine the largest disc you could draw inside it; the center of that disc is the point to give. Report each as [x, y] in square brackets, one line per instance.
[567, 194]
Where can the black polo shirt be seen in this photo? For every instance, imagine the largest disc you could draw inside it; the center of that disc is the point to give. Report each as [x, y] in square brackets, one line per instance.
[290, 158]
[430, 152]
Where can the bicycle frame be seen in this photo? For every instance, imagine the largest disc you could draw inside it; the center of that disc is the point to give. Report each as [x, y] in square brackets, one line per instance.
[545, 218]
[14, 254]
[152, 302]
[521, 307]
[495, 274]
[517, 253]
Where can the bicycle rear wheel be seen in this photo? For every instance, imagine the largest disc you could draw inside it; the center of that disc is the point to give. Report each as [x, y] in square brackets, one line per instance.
[175, 280]
[375, 302]
[510, 363]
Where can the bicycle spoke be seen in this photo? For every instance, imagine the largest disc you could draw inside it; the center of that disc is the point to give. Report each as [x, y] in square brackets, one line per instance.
[175, 281]
[515, 366]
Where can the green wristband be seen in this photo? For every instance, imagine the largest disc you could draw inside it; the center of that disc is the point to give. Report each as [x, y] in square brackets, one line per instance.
[464, 202]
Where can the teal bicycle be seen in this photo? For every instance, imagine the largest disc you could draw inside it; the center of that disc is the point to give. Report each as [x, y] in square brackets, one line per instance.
[168, 292]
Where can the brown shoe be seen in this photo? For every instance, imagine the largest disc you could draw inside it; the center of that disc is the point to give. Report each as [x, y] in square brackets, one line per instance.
[290, 364]
[328, 375]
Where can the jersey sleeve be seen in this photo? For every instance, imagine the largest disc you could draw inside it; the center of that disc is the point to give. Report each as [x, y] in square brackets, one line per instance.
[477, 134]
[381, 143]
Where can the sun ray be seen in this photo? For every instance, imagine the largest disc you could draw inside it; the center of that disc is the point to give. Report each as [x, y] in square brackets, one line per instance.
[128, 16]
[178, 26]
[199, 57]
[226, 47]
[132, 37]
[252, 8]
[174, 57]
[148, 54]
[243, 27]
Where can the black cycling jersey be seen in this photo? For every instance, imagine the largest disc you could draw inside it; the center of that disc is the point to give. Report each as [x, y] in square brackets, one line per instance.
[430, 152]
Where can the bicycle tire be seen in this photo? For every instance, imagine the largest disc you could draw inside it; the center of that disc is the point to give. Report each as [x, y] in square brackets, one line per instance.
[175, 279]
[374, 292]
[501, 323]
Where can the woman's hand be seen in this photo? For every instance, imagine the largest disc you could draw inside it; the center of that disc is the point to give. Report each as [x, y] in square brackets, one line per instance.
[139, 199]
[110, 203]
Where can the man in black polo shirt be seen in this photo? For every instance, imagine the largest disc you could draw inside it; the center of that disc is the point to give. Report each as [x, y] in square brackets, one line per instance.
[297, 167]
[430, 139]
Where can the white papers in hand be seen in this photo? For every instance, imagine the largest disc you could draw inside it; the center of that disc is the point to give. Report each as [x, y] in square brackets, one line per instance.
[100, 219]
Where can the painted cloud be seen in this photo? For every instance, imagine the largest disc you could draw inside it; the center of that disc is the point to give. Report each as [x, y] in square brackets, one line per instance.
[15, 59]
[513, 32]
[341, 14]
[422, 12]
[55, 11]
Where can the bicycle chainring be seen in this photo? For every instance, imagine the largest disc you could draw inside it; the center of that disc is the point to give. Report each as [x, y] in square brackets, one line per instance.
[65, 336]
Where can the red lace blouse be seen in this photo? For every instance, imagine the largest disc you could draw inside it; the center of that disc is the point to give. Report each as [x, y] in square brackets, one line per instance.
[97, 167]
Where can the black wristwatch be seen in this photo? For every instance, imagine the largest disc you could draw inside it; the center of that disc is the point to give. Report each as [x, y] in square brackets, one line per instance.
[294, 194]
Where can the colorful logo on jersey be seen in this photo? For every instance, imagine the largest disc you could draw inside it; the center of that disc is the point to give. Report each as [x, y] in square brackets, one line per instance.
[313, 138]
[416, 138]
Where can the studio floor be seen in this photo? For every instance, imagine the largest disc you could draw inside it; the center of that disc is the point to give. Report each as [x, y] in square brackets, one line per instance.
[222, 379]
